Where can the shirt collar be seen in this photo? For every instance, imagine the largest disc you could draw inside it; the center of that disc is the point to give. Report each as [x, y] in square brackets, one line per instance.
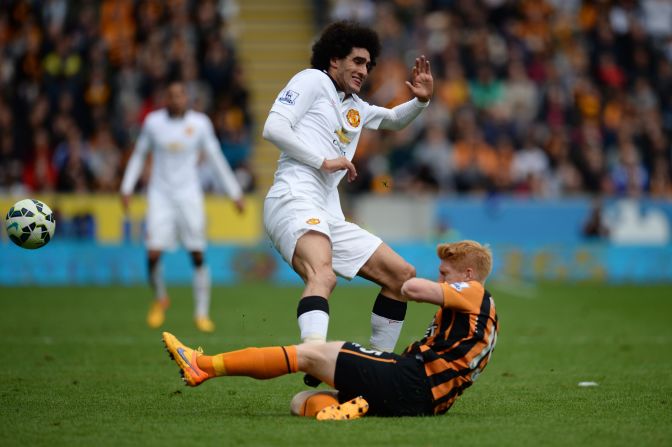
[341, 93]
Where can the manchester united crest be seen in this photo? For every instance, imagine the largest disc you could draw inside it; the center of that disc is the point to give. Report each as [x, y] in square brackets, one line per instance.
[353, 117]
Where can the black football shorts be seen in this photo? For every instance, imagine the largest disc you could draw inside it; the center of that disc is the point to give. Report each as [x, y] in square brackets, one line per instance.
[392, 385]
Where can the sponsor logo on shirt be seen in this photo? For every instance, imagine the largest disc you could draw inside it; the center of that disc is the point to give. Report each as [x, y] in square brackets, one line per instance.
[288, 97]
[174, 146]
[313, 221]
[459, 286]
[189, 131]
[353, 117]
[342, 136]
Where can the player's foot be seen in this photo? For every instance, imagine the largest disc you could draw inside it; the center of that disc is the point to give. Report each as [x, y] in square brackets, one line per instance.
[352, 409]
[157, 313]
[311, 381]
[186, 359]
[204, 324]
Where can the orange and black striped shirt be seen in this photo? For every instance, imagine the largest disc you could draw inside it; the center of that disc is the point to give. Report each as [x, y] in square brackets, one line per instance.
[458, 342]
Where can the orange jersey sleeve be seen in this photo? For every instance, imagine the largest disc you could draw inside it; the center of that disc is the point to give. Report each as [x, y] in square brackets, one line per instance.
[463, 296]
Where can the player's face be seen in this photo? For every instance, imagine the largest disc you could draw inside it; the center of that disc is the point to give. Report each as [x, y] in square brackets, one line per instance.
[351, 71]
[176, 99]
[449, 274]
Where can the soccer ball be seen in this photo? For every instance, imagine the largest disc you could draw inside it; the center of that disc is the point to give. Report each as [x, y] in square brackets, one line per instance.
[30, 223]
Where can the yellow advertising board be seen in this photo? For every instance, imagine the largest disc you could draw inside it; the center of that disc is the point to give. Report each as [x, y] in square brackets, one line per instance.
[224, 224]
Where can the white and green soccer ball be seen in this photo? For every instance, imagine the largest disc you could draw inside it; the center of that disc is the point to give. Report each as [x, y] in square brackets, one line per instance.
[30, 223]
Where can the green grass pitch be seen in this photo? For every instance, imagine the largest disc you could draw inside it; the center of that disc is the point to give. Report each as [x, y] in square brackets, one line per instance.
[79, 367]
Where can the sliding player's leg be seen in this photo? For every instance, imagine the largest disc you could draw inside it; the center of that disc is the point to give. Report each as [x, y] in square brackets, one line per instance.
[259, 363]
[316, 359]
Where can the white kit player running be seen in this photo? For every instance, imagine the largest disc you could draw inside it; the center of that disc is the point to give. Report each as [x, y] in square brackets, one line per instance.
[316, 122]
[176, 136]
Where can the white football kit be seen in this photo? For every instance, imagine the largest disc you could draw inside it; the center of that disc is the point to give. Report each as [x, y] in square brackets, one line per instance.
[174, 195]
[325, 124]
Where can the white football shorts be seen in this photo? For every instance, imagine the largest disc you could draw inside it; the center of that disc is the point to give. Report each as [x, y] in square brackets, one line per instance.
[288, 218]
[173, 219]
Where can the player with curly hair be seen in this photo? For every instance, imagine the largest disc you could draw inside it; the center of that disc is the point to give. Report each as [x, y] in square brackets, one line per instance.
[316, 122]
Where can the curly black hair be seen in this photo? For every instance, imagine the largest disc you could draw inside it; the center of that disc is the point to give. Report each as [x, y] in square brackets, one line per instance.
[338, 40]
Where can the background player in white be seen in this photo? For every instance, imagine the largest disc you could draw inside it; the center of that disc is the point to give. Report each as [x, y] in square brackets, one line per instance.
[316, 122]
[176, 136]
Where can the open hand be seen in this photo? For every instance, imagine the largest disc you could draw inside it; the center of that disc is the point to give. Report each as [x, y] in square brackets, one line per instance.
[422, 82]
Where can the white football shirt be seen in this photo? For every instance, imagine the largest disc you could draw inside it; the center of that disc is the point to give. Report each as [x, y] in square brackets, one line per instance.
[330, 125]
[176, 143]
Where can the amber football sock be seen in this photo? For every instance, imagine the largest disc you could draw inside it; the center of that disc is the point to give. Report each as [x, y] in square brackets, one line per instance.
[316, 402]
[259, 363]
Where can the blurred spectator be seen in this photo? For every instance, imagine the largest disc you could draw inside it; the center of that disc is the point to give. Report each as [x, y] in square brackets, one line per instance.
[433, 155]
[104, 160]
[39, 174]
[71, 160]
[594, 227]
[486, 90]
[628, 176]
[530, 168]
[475, 162]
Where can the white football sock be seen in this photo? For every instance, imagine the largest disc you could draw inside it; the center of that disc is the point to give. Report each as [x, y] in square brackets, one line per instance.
[201, 291]
[384, 333]
[313, 326]
[156, 281]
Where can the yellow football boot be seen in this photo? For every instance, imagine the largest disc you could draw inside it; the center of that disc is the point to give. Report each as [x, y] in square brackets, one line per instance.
[352, 409]
[186, 359]
[157, 313]
[204, 324]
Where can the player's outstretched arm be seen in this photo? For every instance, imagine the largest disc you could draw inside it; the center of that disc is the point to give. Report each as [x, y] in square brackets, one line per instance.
[457, 296]
[422, 87]
[423, 291]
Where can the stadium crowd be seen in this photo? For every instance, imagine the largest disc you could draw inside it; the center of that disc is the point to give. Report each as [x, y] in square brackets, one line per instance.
[78, 78]
[545, 98]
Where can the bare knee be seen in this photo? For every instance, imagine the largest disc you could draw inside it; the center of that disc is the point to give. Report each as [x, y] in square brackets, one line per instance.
[322, 276]
[407, 272]
[310, 357]
[403, 273]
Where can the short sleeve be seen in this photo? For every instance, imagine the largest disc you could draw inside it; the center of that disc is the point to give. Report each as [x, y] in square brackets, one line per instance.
[463, 296]
[299, 95]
